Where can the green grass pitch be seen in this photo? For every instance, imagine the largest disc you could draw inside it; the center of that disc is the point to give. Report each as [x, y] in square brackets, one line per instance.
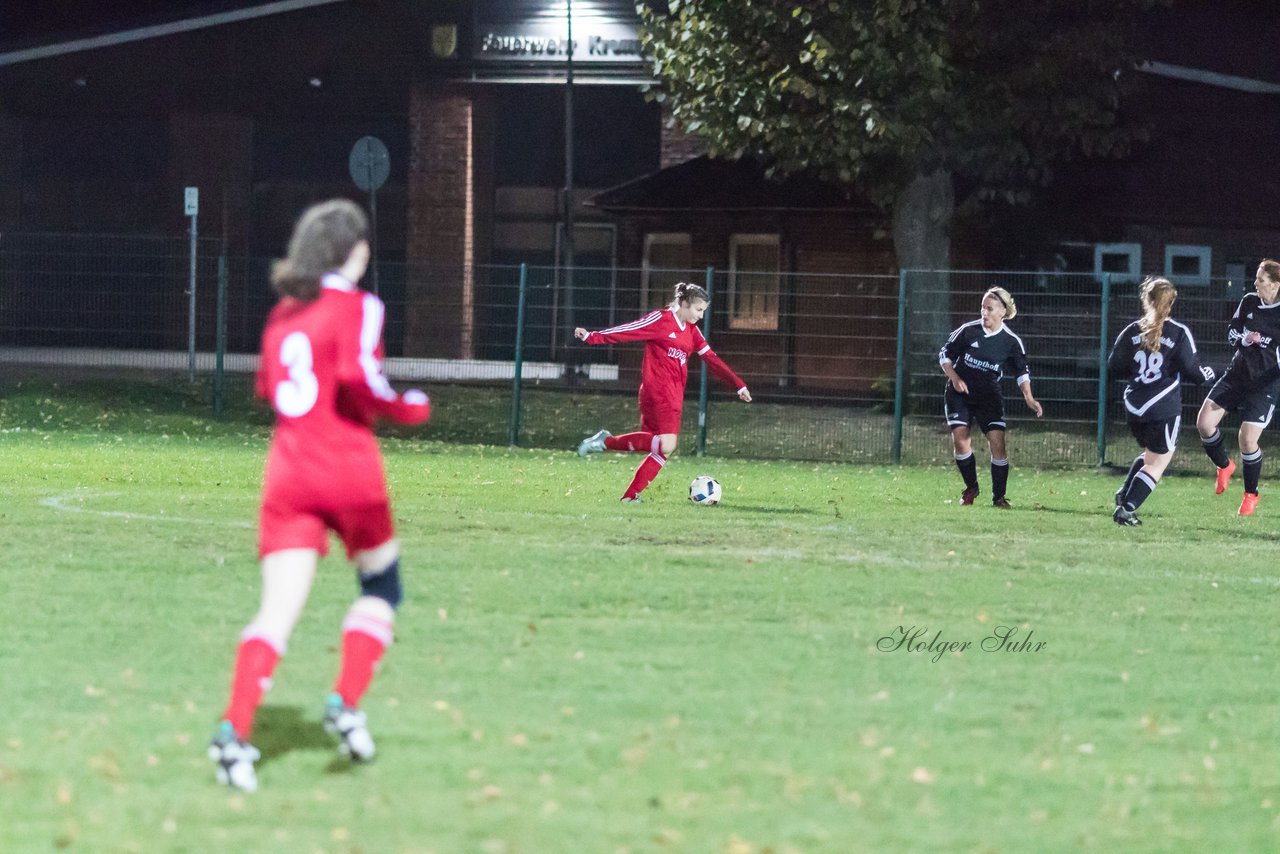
[571, 675]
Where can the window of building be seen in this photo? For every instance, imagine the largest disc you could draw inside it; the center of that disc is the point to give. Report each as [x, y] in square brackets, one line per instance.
[1122, 260]
[754, 281]
[1188, 265]
[668, 257]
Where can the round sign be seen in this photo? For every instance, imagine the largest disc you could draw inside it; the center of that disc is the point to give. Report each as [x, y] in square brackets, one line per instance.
[370, 164]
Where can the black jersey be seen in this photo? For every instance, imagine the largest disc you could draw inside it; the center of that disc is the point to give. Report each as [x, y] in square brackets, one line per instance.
[1255, 364]
[980, 357]
[1154, 390]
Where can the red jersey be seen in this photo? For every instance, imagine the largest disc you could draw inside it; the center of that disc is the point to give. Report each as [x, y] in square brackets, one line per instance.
[669, 342]
[321, 370]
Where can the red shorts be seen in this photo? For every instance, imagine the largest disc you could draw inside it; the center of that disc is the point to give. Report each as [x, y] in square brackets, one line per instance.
[359, 528]
[660, 416]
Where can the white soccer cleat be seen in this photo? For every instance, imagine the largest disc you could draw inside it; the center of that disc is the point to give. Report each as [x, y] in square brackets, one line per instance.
[351, 727]
[235, 759]
[593, 444]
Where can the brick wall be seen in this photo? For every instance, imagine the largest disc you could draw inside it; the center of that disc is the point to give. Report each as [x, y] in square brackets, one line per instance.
[450, 198]
[214, 153]
[678, 146]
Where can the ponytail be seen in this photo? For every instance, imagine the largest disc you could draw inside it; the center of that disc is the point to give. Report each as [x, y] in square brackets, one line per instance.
[1158, 295]
[688, 292]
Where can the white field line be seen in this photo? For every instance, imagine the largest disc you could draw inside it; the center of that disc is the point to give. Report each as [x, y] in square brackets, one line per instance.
[62, 502]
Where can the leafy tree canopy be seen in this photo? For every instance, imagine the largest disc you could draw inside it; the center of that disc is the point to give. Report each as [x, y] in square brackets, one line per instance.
[876, 93]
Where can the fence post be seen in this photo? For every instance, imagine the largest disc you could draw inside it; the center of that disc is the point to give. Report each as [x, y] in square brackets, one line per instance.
[702, 386]
[191, 305]
[1103, 352]
[899, 370]
[514, 438]
[220, 348]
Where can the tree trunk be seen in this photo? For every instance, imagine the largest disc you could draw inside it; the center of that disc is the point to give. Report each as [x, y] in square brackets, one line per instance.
[922, 242]
[922, 222]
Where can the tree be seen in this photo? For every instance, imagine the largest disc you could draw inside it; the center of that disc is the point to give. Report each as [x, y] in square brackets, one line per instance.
[906, 100]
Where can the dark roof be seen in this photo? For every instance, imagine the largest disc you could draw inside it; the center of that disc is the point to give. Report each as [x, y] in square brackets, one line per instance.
[37, 22]
[706, 183]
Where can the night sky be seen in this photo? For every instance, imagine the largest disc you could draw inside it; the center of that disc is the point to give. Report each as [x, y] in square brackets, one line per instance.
[1229, 36]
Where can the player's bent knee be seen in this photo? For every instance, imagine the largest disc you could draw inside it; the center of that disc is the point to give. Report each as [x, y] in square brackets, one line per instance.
[383, 584]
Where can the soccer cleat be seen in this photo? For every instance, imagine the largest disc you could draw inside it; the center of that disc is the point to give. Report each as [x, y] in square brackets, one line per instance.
[350, 726]
[629, 499]
[966, 497]
[1249, 504]
[1125, 518]
[593, 444]
[235, 759]
[1224, 475]
[1002, 503]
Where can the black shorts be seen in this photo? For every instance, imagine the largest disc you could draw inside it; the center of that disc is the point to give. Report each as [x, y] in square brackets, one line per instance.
[1159, 437]
[1255, 404]
[963, 409]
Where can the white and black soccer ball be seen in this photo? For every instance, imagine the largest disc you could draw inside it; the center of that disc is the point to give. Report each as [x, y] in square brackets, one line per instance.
[705, 490]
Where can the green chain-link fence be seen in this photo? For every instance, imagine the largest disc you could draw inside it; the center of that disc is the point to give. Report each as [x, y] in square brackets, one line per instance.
[842, 367]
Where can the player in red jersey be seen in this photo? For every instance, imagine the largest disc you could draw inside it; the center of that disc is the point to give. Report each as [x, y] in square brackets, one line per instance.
[321, 370]
[670, 335]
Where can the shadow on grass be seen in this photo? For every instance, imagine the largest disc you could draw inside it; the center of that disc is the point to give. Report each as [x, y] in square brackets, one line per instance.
[790, 511]
[1103, 512]
[280, 729]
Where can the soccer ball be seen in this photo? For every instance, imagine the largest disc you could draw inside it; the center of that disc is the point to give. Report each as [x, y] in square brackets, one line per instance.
[704, 490]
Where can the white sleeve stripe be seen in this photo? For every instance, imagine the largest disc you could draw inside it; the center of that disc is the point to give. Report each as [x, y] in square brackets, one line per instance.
[370, 332]
[704, 349]
[1016, 338]
[635, 324]
[1187, 330]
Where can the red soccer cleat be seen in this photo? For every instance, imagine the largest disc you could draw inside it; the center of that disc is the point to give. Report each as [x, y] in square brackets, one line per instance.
[1249, 504]
[1224, 475]
[966, 497]
[1001, 503]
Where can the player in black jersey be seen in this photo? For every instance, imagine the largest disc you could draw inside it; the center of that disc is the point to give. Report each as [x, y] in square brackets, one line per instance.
[1154, 355]
[1250, 384]
[973, 359]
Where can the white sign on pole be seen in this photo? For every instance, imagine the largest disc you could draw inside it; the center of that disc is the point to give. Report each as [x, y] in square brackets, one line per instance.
[192, 201]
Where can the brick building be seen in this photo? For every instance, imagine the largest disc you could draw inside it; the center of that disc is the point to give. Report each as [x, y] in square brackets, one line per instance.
[259, 104]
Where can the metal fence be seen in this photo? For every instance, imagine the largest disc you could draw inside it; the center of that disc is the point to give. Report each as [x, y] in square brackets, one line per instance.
[842, 367]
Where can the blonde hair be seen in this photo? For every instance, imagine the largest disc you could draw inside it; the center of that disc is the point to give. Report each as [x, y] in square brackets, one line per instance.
[1158, 295]
[321, 243]
[1010, 308]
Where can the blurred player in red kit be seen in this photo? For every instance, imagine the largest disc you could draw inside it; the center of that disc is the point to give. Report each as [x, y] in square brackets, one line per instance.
[321, 371]
[670, 336]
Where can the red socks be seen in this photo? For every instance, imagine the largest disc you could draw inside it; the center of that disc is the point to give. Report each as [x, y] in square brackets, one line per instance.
[645, 474]
[255, 662]
[634, 442]
[364, 640]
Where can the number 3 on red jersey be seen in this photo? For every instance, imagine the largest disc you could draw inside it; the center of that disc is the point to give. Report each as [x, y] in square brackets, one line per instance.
[295, 396]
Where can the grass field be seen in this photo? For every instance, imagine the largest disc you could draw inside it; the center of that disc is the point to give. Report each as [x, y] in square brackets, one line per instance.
[571, 675]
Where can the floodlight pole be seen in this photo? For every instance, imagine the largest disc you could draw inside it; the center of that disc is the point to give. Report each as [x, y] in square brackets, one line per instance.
[191, 203]
[373, 229]
[568, 175]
